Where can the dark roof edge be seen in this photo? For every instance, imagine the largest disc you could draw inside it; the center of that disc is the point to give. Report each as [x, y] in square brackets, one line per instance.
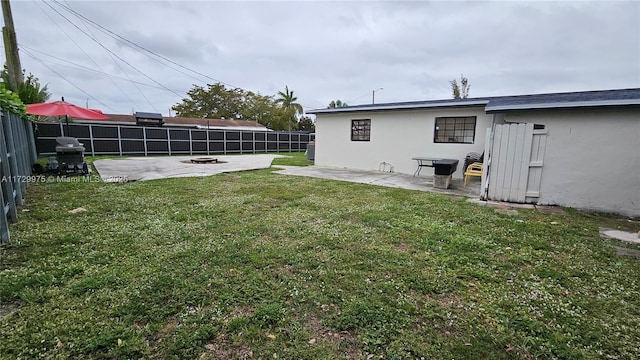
[564, 105]
[579, 99]
[402, 106]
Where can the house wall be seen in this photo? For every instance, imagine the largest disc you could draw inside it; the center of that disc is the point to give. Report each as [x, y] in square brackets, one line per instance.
[396, 137]
[592, 158]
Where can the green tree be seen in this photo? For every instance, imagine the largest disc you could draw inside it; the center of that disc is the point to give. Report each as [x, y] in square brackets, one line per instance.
[289, 104]
[460, 91]
[30, 91]
[10, 101]
[306, 124]
[337, 104]
[215, 101]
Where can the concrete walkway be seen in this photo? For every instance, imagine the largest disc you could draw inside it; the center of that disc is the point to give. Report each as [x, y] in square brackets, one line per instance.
[160, 167]
[396, 180]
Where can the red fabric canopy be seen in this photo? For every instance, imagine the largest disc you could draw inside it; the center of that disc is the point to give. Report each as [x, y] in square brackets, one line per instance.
[59, 108]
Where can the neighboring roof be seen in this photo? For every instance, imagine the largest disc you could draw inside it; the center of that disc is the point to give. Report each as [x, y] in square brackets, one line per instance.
[598, 98]
[182, 121]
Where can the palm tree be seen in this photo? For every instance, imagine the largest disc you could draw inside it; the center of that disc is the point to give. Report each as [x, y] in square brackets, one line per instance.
[289, 103]
[337, 104]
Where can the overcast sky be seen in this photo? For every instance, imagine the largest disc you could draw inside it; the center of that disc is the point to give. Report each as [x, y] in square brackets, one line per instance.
[326, 50]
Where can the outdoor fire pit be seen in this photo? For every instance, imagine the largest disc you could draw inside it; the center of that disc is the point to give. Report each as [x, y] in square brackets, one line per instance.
[204, 160]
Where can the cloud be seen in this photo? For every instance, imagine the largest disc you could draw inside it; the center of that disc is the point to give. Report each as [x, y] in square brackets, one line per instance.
[330, 50]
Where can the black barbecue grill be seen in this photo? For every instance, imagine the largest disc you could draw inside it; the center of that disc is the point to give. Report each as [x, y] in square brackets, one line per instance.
[69, 157]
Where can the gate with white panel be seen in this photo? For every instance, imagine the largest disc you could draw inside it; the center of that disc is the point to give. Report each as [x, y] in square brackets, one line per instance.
[516, 158]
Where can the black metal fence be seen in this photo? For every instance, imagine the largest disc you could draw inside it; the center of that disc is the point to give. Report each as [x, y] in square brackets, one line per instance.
[17, 155]
[102, 139]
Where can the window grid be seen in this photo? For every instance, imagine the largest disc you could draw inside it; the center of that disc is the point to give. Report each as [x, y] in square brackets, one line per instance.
[361, 130]
[459, 130]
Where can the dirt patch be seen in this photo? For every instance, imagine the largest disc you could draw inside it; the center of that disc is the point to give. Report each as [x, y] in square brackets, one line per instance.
[449, 302]
[551, 210]
[346, 342]
[506, 210]
[8, 309]
[457, 197]
[285, 271]
[503, 208]
[166, 330]
[403, 247]
[222, 348]
[242, 310]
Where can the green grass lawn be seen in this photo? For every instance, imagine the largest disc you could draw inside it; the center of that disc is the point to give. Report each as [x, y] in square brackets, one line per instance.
[259, 265]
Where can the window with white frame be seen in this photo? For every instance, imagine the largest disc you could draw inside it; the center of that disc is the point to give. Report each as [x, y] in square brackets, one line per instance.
[457, 130]
[361, 130]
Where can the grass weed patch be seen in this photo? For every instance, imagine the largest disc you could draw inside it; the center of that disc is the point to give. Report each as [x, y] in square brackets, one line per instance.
[254, 264]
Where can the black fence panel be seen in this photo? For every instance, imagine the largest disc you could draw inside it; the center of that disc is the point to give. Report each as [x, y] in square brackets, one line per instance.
[216, 135]
[179, 134]
[199, 147]
[156, 133]
[78, 131]
[102, 132]
[180, 147]
[158, 147]
[132, 146]
[105, 146]
[198, 135]
[103, 139]
[132, 132]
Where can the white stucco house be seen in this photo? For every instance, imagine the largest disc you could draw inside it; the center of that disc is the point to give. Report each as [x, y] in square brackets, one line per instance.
[578, 149]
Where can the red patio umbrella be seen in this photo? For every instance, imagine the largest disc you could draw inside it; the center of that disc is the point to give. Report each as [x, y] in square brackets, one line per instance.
[60, 108]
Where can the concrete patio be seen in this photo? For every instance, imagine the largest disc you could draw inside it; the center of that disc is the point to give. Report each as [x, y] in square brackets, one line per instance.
[150, 168]
[396, 180]
[160, 167]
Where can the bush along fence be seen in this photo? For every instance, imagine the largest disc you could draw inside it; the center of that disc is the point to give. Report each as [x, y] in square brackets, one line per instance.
[100, 139]
[17, 156]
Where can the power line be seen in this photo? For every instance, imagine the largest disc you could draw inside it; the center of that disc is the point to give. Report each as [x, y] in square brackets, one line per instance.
[359, 97]
[111, 52]
[87, 55]
[144, 51]
[111, 55]
[63, 78]
[134, 45]
[84, 68]
[87, 23]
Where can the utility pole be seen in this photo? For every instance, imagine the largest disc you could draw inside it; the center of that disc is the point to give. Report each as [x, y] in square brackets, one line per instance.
[373, 95]
[11, 47]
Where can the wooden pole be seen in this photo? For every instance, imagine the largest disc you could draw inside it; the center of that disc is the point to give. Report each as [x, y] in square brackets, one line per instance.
[11, 47]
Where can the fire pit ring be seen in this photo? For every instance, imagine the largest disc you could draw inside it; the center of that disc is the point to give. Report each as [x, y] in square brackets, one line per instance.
[204, 160]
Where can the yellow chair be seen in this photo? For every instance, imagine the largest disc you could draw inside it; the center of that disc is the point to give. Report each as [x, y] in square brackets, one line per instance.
[475, 169]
